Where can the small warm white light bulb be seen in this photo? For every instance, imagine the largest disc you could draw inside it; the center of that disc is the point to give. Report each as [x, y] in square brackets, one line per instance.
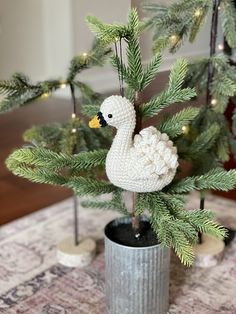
[45, 95]
[63, 85]
[73, 116]
[220, 46]
[213, 101]
[117, 38]
[198, 12]
[85, 54]
[219, 7]
[173, 39]
[185, 129]
[73, 130]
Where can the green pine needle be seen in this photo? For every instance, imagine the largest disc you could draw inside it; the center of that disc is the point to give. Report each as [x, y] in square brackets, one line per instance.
[173, 126]
[215, 179]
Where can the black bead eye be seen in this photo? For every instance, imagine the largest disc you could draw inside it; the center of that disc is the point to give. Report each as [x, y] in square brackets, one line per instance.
[110, 115]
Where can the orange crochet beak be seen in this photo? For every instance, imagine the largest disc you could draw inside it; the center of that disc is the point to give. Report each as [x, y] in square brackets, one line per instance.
[97, 122]
[94, 123]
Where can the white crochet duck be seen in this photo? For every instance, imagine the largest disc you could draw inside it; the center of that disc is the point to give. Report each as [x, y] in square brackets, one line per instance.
[145, 163]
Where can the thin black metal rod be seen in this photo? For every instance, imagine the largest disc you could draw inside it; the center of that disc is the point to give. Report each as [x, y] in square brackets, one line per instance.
[202, 206]
[122, 74]
[210, 74]
[119, 70]
[72, 89]
[76, 224]
[213, 39]
[75, 199]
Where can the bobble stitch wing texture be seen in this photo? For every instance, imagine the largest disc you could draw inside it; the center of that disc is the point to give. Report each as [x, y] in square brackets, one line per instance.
[145, 163]
[152, 156]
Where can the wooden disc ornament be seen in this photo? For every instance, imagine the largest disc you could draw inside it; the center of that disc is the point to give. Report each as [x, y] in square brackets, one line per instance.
[71, 255]
[209, 253]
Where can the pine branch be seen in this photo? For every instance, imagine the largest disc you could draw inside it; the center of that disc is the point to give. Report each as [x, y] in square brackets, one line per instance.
[223, 148]
[95, 57]
[204, 141]
[202, 221]
[156, 104]
[19, 91]
[133, 24]
[135, 63]
[169, 233]
[87, 186]
[90, 110]
[177, 74]
[89, 160]
[228, 22]
[116, 203]
[39, 157]
[215, 179]
[173, 126]
[183, 186]
[174, 92]
[106, 33]
[53, 161]
[198, 21]
[46, 136]
[38, 175]
[174, 23]
[151, 70]
[89, 96]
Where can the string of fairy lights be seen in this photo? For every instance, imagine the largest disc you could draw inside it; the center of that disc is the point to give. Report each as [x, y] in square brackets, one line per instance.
[174, 39]
[65, 84]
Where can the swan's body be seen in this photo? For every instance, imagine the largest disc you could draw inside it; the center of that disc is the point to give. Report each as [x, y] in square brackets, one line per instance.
[145, 163]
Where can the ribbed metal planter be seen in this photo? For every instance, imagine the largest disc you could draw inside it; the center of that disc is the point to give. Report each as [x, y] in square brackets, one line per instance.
[137, 278]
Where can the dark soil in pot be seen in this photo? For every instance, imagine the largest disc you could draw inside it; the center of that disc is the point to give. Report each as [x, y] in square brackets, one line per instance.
[121, 232]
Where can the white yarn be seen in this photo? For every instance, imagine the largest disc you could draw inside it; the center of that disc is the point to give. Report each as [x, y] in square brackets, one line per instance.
[146, 163]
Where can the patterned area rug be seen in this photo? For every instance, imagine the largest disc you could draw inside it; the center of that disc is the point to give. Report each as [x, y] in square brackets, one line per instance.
[32, 282]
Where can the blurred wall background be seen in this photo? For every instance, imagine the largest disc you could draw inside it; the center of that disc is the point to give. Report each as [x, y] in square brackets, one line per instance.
[39, 37]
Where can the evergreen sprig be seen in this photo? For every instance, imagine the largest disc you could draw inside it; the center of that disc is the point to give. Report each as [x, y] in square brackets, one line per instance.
[151, 70]
[215, 179]
[183, 19]
[75, 159]
[176, 227]
[174, 92]
[95, 57]
[173, 126]
[90, 186]
[19, 90]
[228, 12]
[41, 157]
[116, 203]
[59, 137]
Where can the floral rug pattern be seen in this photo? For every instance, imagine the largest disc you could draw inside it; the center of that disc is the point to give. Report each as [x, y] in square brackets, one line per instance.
[32, 282]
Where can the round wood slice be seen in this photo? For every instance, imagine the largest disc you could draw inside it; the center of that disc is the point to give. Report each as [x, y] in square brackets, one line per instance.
[209, 253]
[68, 254]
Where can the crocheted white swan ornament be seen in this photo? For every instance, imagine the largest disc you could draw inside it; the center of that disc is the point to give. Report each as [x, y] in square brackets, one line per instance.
[145, 163]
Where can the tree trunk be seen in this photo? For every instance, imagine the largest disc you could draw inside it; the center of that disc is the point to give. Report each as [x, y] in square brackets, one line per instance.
[138, 127]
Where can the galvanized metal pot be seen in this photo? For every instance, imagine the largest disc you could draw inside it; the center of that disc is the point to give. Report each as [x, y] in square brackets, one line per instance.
[137, 278]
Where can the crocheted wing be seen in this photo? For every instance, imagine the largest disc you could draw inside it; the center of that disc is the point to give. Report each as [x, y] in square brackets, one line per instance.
[152, 155]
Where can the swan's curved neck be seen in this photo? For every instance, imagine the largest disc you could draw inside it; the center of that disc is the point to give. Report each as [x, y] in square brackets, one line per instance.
[123, 139]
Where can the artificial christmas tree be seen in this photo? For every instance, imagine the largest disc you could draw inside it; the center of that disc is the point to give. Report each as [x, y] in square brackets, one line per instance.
[142, 253]
[123, 253]
[214, 75]
[70, 137]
